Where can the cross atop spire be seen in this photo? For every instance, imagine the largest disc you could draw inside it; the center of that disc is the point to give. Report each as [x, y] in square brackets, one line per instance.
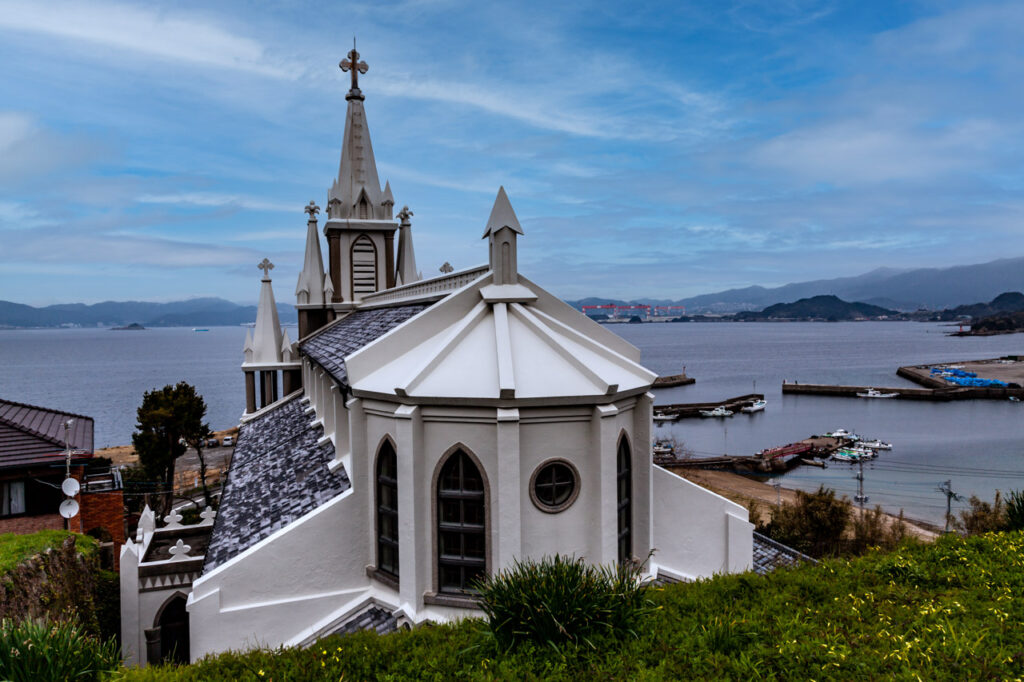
[266, 266]
[312, 209]
[357, 67]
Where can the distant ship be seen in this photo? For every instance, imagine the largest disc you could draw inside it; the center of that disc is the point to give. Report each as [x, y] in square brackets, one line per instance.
[200, 329]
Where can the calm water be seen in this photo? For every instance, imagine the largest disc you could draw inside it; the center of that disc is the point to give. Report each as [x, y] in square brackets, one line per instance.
[977, 444]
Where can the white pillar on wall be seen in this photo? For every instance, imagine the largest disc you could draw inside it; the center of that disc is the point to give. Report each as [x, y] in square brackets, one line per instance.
[604, 431]
[507, 491]
[415, 533]
[643, 481]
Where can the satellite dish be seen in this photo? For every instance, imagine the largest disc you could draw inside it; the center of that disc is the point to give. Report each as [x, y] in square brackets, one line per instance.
[70, 486]
[68, 508]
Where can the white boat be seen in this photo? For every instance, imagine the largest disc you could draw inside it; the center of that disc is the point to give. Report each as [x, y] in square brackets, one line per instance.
[662, 417]
[717, 412]
[756, 406]
[854, 454]
[663, 448]
[840, 433]
[875, 444]
[875, 393]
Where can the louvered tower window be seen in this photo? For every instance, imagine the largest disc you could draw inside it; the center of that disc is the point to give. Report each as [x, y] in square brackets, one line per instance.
[364, 266]
[461, 525]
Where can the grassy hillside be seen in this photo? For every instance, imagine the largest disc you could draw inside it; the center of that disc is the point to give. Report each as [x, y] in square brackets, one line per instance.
[16, 548]
[951, 610]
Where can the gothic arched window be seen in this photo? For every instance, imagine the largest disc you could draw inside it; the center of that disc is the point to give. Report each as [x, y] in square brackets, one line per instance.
[364, 266]
[387, 510]
[624, 495]
[461, 525]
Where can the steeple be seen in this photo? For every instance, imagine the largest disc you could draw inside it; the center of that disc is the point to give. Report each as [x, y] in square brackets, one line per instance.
[266, 342]
[406, 255]
[310, 287]
[356, 193]
[502, 228]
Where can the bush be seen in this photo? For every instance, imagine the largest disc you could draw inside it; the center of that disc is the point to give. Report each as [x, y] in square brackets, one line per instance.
[982, 517]
[562, 601]
[33, 651]
[814, 525]
[1015, 510]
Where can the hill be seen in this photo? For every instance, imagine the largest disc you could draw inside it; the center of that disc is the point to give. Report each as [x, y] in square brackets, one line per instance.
[192, 312]
[1009, 302]
[829, 308]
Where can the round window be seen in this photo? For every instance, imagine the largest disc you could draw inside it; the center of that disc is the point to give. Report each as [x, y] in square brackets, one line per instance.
[554, 486]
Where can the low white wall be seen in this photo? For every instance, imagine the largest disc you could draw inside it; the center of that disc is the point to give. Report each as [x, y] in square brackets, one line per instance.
[270, 593]
[697, 533]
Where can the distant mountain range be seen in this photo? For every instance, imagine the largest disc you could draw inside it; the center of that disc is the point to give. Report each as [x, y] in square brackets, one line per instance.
[205, 312]
[904, 290]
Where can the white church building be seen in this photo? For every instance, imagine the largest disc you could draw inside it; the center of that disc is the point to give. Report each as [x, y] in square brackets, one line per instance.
[429, 433]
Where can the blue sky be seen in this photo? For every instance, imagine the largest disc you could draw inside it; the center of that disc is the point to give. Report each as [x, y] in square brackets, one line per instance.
[158, 151]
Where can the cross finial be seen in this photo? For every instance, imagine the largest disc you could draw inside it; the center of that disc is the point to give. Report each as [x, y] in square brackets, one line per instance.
[266, 266]
[357, 67]
[447, 267]
[312, 209]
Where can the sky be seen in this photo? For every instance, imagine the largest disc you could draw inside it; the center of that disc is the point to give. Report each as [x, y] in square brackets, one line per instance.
[159, 150]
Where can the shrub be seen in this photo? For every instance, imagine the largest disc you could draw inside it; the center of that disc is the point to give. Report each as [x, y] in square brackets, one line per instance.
[982, 517]
[562, 601]
[33, 650]
[814, 525]
[1015, 510]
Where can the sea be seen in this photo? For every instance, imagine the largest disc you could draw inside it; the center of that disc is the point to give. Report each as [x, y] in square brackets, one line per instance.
[976, 445]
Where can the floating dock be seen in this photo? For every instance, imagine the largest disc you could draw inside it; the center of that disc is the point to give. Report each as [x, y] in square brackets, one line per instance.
[674, 380]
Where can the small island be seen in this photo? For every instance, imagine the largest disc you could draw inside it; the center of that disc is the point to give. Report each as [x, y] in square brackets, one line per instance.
[134, 326]
[828, 308]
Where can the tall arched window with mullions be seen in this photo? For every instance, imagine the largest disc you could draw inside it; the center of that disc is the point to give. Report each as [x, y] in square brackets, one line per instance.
[387, 510]
[624, 495]
[461, 525]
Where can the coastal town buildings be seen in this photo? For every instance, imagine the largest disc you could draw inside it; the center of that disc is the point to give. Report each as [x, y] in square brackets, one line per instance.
[438, 430]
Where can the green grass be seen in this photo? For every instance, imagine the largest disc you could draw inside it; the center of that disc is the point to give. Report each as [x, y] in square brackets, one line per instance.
[16, 548]
[951, 610]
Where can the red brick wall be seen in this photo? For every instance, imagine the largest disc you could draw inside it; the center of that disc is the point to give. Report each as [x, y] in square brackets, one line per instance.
[31, 524]
[104, 510]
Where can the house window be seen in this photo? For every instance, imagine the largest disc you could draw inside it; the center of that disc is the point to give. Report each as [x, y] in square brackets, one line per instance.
[12, 498]
[461, 525]
[387, 510]
[554, 486]
[624, 494]
[364, 266]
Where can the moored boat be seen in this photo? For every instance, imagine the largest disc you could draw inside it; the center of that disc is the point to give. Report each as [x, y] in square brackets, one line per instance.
[663, 447]
[875, 393]
[662, 417]
[756, 406]
[717, 412]
[875, 444]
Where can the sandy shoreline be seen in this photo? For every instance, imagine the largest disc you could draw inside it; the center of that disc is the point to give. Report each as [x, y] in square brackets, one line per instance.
[743, 491]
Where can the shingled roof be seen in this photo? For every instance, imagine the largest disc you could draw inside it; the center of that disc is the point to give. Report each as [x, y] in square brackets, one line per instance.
[333, 343]
[278, 474]
[770, 554]
[34, 435]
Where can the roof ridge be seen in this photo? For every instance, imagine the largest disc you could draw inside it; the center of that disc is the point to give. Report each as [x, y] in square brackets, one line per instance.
[39, 434]
[45, 409]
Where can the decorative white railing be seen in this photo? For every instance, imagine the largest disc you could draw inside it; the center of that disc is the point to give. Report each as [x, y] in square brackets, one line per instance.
[427, 287]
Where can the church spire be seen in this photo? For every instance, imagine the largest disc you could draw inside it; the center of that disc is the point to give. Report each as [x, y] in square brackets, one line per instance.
[502, 228]
[356, 193]
[266, 341]
[406, 255]
[310, 287]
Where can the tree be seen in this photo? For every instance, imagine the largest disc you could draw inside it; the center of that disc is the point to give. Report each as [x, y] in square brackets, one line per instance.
[197, 440]
[814, 525]
[167, 419]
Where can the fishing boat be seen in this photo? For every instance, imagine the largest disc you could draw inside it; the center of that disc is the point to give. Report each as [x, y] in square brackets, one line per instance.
[854, 454]
[841, 433]
[663, 447]
[875, 393]
[875, 444]
[756, 406]
[662, 417]
[717, 412]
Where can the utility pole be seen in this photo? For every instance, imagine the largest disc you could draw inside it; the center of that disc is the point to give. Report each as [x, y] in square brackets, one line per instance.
[861, 498]
[778, 494]
[947, 490]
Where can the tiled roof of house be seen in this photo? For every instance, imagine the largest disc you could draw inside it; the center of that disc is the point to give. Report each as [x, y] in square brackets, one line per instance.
[333, 343]
[769, 555]
[31, 435]
[278, 474]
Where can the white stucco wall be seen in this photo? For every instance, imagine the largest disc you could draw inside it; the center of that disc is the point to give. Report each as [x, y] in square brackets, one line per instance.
[697, 533]
[272, 592]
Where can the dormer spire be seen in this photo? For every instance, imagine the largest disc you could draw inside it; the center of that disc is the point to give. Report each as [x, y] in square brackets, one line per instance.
[309, 289]
[502, 229]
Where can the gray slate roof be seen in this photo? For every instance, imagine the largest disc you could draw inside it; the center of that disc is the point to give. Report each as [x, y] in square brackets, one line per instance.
[329, 346]
[375, 618]
[278, 474]
[32, 435]
[769, 555]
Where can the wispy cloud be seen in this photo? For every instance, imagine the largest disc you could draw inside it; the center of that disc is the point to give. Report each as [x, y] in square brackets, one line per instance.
[175, 36]
[214, 200]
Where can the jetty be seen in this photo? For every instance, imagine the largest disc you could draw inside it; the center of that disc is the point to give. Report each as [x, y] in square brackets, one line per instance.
[681, 410]
[772, 460]
[674, 380]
